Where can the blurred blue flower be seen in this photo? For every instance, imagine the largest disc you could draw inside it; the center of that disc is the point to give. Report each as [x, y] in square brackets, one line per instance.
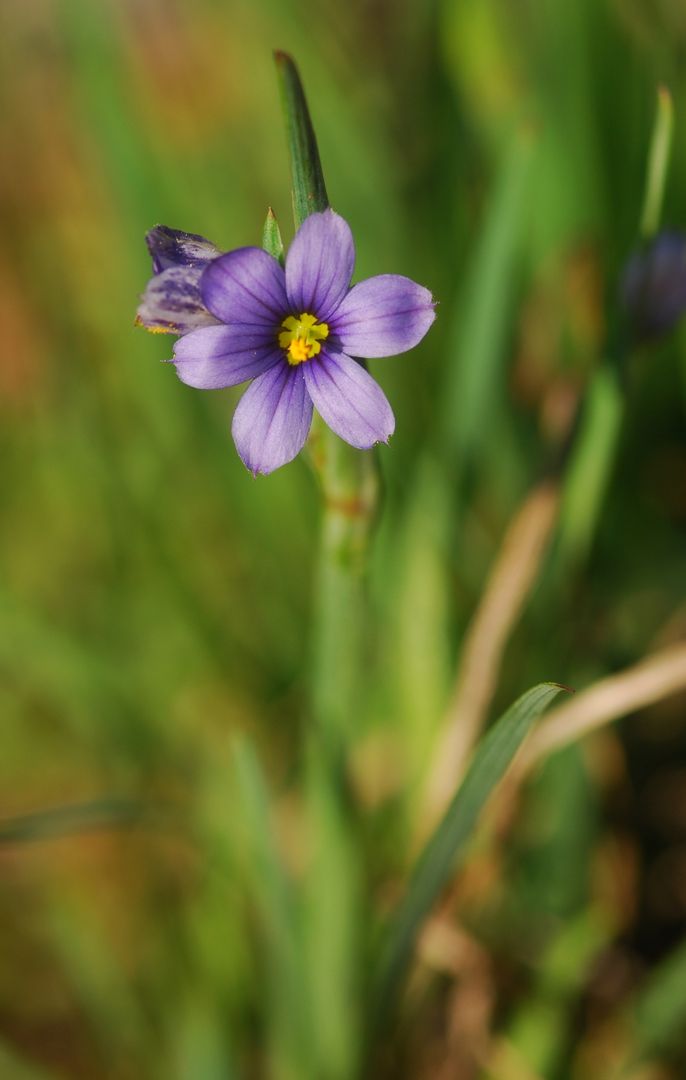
[653, 286]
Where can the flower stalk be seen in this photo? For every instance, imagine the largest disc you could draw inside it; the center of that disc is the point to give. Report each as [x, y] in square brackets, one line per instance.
[658, 163]
[349, 478]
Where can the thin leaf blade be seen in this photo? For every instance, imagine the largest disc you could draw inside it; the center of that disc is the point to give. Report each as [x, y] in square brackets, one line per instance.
[448, 843]
[307, 178]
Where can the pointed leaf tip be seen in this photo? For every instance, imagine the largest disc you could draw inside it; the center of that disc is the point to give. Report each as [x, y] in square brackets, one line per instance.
[271, 237]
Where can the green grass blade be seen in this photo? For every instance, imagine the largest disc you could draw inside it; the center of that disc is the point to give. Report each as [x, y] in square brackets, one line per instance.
[475, 378]
[442, 852]
[275, 903]
[332, 899]
[75, 818]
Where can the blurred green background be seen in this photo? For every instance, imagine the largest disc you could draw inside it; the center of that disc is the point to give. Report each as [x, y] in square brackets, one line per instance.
[155, 600]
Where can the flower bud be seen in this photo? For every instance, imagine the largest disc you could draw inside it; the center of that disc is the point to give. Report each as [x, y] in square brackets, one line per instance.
[653, 287]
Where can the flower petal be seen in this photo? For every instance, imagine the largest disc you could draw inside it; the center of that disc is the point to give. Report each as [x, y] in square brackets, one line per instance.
[171, 247]
[272, 419]
[348, 399]
[383, 316]
[245, 286]
[319, 265]
[172, 302]
[220, 356]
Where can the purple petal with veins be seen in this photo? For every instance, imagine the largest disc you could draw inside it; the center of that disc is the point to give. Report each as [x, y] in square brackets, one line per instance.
[383, 316]
[272, 419]
[246, 286]
[348, 399]
[319, 265]
[220, 356]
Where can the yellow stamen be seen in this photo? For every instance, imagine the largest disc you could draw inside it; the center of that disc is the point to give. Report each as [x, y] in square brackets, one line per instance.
[301, 338]
[155, 329]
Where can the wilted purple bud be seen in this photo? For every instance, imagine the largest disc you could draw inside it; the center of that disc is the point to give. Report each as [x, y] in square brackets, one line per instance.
[653, 286]
[171, 247]
[171, 303]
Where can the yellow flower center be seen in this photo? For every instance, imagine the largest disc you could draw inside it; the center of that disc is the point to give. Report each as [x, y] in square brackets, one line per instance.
[301, 337]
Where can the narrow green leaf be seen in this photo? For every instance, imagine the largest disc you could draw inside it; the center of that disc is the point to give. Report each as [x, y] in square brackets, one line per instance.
[332, 923]
[482, 318]
[271, 237]
[438, 861]
[259, 840]
[199, 1041]
[91, 966]
[309, 190]
[274, 901]
[60, 821]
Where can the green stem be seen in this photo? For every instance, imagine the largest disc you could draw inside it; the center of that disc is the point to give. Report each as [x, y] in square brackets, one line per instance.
[349, 484]
[590, 453]
[349, 481]
[658, 160]
[348, 477]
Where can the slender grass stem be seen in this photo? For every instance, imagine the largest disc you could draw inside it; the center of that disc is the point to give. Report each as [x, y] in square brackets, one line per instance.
[658, 162]
[349, 484]
[348, 478]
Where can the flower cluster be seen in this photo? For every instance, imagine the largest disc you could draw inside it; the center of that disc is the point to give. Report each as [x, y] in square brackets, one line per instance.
[297, 331]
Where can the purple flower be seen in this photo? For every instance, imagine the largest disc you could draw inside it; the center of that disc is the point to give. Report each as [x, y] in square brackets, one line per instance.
[653, 286]
[295, 333]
